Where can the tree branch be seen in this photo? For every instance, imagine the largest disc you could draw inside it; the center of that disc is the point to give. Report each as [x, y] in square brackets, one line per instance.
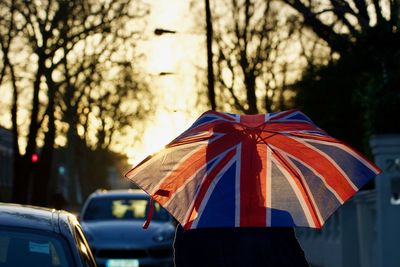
[337, 42]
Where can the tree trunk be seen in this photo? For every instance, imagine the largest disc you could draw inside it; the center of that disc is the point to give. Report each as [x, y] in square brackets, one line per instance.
[21, 179]
[251, 94]
[42, 175]
[40, 185]
[23, 167]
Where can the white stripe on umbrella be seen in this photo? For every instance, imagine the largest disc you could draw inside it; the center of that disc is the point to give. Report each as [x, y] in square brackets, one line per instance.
[296, 190]
[210, 191]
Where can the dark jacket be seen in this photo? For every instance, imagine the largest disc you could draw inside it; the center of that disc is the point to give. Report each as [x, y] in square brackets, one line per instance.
[238, 247]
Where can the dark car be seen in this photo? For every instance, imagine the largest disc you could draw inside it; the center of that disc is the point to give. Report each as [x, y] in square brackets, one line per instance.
[113, 220]
[36, 236]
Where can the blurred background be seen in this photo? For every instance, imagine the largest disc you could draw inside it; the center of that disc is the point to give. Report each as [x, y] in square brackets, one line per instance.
[89, 88]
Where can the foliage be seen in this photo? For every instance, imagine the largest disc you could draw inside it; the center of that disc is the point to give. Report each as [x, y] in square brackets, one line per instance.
[357, 92]
[327, 93]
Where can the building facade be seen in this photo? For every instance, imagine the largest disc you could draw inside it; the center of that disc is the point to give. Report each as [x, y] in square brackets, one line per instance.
[6, 164]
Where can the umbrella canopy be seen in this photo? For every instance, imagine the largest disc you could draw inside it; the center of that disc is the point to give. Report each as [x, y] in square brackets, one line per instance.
[265, 170]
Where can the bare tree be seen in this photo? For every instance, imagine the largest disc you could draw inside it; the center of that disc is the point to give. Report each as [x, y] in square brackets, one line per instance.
[9, 31]
[345, 25]
[251, 39]
[364, 37]
[52, 34]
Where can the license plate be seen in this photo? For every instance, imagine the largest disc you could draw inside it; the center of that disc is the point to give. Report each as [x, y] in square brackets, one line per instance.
[122, 263]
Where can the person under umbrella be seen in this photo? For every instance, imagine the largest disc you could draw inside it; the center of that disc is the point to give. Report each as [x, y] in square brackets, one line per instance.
[276, 170]
[239, 246]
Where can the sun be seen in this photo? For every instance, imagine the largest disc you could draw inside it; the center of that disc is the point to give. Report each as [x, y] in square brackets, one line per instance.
[169, 125]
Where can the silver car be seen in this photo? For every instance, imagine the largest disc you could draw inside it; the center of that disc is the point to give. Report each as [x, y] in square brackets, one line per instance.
[112, 222]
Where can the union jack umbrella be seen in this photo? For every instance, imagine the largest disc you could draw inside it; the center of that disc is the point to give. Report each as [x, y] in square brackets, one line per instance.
[265, 170]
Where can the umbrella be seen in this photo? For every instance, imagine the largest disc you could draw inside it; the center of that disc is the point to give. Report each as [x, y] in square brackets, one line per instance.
[264, 170]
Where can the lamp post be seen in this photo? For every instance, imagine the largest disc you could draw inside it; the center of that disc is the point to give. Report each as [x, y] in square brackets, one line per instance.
[210, 70]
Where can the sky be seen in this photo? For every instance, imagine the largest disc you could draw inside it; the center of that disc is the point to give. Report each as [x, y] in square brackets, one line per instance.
[176, 54]
[176, 93]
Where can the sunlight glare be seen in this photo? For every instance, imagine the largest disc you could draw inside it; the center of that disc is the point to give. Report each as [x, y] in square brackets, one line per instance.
[167, 126]
[177, 54]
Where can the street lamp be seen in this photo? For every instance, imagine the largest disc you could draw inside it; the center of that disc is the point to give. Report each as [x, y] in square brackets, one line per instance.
[160, 31]
[210, 71]
[165, 73]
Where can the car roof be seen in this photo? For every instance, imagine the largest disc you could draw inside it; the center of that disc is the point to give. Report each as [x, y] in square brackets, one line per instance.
[119, 193]
[33, 217]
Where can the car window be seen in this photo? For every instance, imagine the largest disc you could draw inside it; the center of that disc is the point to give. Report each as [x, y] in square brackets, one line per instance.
[122, 209]
[22, 247]
[84, 249]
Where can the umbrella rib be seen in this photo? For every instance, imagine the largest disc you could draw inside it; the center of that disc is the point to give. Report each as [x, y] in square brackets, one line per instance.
[299, 179]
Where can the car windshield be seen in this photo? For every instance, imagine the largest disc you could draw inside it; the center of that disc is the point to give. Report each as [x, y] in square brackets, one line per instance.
[122, 208]
[24, 247]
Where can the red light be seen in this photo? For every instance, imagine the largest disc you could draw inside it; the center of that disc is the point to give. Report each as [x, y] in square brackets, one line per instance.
[34, 158]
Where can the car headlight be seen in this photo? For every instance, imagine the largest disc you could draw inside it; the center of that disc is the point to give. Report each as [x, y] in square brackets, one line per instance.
[163, 236]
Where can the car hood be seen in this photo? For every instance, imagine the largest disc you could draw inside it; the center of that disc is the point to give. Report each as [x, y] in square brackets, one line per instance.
[127, 232]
